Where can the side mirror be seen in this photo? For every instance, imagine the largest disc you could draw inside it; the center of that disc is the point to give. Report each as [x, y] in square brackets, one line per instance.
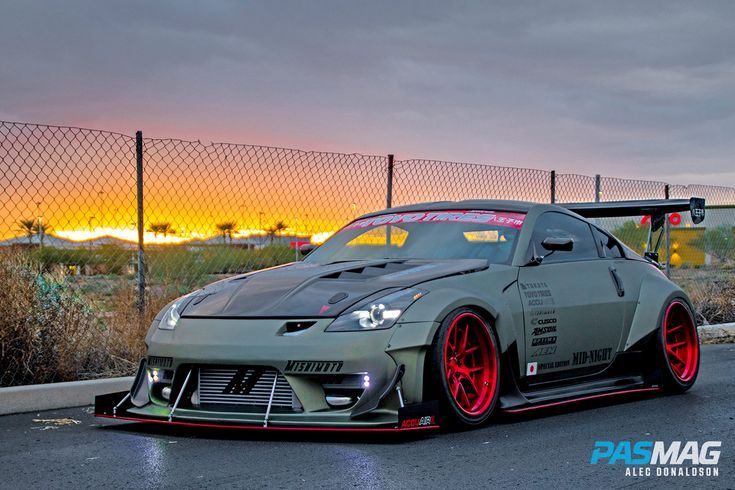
[558, 244]
[307, 248]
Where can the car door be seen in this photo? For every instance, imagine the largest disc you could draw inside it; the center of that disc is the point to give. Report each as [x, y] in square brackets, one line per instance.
[573, 314]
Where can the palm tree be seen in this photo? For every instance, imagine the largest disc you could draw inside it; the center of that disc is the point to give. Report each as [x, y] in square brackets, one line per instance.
[41, 229]
[28, 227]
[162, 227]
[227, 228]
[274, 230]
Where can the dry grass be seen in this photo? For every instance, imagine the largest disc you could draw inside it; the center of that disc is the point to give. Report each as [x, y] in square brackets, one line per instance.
[50, 332]
[715, 301]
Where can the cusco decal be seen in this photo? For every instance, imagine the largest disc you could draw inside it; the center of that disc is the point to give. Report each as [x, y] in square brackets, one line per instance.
[509, 220]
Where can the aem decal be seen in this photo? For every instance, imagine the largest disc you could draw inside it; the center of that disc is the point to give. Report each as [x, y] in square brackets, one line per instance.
[544, 351]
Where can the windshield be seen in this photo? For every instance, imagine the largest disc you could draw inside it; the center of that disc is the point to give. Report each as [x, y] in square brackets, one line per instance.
[433, 235]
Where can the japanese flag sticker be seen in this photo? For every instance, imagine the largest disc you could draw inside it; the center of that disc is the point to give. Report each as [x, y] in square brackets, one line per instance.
[531, 368]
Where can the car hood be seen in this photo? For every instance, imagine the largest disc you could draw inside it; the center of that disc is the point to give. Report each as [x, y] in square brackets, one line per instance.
[305, 290]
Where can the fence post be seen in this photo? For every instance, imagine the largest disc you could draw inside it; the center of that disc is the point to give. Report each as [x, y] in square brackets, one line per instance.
[668, 236]
[553, 186]
[598, 190]
[141, 223]
[389, 194]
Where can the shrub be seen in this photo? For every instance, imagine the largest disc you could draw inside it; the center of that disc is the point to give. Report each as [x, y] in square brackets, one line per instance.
[47, 331]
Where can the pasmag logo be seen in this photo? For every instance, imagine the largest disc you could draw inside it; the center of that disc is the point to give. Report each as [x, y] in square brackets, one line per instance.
[657, 458]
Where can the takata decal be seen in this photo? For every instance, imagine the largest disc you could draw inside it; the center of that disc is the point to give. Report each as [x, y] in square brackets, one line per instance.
[543, 341]
[544, 351]
[591, 356]
[506, 219]
[313, 366]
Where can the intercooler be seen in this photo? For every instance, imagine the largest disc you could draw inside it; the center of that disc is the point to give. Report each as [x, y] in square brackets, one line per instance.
[244, 386]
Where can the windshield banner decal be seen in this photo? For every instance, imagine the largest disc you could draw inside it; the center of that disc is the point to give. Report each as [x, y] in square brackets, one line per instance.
[506, 219]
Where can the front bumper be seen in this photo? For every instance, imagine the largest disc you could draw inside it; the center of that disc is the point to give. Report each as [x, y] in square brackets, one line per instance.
[308, 364]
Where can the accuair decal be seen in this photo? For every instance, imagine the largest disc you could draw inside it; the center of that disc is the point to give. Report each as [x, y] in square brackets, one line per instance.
[313, 366]
[593, 356]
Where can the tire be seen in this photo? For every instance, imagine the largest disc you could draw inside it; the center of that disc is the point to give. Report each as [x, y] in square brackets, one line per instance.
[465, 368]
[678, 347]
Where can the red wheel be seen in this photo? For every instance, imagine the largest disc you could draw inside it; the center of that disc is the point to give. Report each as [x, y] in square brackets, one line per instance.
[681, 344]
[467, 361]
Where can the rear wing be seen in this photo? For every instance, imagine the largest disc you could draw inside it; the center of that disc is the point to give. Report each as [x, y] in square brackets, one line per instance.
[657, 209]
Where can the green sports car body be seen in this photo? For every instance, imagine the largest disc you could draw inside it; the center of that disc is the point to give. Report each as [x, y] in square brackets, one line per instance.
[432, 313]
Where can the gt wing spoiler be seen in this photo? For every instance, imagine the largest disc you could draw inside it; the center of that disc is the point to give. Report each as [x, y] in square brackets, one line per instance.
[656, 208]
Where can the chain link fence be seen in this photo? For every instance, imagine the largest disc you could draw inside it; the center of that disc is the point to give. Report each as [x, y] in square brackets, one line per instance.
[72, 267]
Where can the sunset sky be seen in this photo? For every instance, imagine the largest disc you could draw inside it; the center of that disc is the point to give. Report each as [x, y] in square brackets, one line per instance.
[620, 88]
[629, 89]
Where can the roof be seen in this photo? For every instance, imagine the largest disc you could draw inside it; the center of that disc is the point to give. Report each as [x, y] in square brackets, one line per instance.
[470, 204]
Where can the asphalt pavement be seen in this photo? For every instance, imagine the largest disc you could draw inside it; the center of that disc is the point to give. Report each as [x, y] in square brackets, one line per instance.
[551, 449]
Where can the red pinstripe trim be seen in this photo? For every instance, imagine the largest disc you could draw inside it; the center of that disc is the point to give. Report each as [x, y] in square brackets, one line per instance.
[580, 399]
[270, 428]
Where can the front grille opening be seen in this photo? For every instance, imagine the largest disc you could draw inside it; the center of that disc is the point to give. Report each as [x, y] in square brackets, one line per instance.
[244, 388]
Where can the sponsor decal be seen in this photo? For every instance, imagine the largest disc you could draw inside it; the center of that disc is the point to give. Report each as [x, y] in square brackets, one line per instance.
[543, 321]
[552, 365]
[591, 356]
[531, 368]
[534, 285]
[544, 351]
[505, 219]
[657, 458]
[539, 293]
[313, 366]
[542, 311]
[241, 383]
[417, 422]
[543, 330]
[543, 341]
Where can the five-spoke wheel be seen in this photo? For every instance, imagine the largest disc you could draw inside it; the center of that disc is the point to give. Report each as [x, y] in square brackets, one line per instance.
[680, 346]
[466, 356]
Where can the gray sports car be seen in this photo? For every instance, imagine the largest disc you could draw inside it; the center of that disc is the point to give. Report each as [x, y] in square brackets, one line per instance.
[444, 312]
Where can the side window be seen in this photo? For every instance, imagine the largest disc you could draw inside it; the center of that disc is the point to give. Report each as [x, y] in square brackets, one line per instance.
[609, 246]
[558, 225]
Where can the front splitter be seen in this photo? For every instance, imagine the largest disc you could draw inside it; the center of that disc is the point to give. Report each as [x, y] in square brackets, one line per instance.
[416, 417]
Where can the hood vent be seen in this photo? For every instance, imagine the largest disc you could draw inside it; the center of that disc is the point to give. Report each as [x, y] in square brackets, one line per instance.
[373, 270]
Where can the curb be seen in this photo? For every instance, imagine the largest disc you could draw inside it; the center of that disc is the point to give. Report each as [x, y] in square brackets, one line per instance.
[50, 396]
[721, 332]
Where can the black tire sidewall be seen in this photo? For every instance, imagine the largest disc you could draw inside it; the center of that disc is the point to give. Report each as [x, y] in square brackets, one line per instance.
[438, 374]
[670, 381]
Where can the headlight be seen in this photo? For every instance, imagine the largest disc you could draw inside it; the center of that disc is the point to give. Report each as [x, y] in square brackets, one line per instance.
[172, 315]
[378, 314]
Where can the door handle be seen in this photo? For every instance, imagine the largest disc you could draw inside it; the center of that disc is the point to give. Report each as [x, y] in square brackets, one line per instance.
[617, 281]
